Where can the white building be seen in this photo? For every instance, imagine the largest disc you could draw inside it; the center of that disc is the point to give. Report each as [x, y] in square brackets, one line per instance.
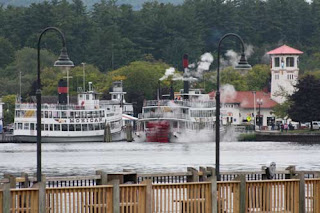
[1, 109]
[242, 108]
[284, 71]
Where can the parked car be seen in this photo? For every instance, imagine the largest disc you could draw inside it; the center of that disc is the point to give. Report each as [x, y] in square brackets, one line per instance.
[315, 125]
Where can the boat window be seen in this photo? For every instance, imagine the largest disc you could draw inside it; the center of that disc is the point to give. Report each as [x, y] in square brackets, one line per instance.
[15, 126]
[50, 114]
[78, 127]
[71, 115]
[102, 125]
[89, 114]
[82, 114]
[46, 114]
[77, 114]
[71, 127]
[19, 125]
[46, 127]
[90, 127]
[32, 126]
[41, 114]
[64, 127]
[42, 127]
[84, 127]
[87, 97]
[51, 127]
[63, 114]
[102, 113]
[96, 126]
[96, 114]
[56, 114]
[57, 127]
[26, 126]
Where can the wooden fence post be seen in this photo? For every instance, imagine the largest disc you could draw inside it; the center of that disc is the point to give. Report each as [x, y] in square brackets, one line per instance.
[42, 193]
[116, 195]
[292, 170]
[149, 193]
[301, 192]
[194, 175]
[6, 198]
[12, 180]
[242, 205]
[214, 198]
[25, 184]
[103, 177]
[204, 176]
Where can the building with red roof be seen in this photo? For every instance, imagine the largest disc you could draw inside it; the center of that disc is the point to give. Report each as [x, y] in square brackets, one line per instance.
[240, 107]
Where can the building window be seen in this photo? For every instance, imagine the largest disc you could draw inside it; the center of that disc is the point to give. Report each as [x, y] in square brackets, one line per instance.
[290, 62]
[290, 76]
[277, 62]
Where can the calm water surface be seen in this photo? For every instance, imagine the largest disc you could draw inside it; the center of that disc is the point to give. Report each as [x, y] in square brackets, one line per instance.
[85, 158]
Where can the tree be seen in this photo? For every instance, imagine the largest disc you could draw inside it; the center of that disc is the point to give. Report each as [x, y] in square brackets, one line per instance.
[141, 80]
[9, 103]
[258, 77]
[6, 52]
[305, 101]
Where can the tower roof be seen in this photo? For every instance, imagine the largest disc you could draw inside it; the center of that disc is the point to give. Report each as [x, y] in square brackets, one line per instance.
[285, 50]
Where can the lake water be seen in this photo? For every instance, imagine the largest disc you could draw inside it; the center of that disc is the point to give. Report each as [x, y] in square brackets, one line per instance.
[86, 158]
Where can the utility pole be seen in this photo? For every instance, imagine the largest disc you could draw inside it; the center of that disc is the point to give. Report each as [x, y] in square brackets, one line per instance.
[254, 110]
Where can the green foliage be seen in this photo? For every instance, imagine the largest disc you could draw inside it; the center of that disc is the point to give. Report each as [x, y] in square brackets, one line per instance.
[281, 110]
[258, 77]
[6, 52]
[8, 110]
[141, 80]
[305, 101]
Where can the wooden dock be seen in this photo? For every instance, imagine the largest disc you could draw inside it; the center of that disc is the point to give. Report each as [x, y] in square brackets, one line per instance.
[193, 191]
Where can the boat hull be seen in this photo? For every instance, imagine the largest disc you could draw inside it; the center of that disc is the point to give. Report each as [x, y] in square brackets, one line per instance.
[117, 136]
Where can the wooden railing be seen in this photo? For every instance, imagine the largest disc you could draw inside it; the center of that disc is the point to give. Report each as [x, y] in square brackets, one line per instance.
[228, 194]
[184, 197]
[312, 195]
[79, 199]
[24, 200]
[133, 198]
[272, 196]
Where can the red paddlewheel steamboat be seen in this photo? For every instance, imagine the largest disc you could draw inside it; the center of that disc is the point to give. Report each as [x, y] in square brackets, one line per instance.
[158, 131]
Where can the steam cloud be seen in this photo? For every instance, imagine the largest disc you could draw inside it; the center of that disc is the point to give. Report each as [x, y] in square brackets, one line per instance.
[233, 57]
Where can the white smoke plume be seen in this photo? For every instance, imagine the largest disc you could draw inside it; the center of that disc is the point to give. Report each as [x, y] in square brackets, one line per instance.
[234, 57]
[227, 92]
[169, 71]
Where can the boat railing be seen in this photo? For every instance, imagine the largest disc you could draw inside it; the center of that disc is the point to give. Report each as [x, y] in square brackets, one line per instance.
[163, 115]
[50, 106]
[181, 103]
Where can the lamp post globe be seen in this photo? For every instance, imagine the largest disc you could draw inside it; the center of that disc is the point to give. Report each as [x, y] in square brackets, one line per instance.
[64, 62]
[243, 64]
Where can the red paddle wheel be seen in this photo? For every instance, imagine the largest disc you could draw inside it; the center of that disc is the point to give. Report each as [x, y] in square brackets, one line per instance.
[158, 131]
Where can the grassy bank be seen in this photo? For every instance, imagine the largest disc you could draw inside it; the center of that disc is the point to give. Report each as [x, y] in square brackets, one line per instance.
[247, 137]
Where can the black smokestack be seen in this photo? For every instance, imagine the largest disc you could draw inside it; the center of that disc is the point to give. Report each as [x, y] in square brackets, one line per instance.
[62, 92]
[171, 91]
[185, 64]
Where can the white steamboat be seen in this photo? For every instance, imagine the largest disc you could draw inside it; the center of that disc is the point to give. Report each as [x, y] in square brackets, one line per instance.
[86, 121]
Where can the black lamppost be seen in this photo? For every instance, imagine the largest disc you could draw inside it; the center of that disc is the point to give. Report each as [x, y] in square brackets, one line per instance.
[260, 102]
[63, 61]
[243, 64]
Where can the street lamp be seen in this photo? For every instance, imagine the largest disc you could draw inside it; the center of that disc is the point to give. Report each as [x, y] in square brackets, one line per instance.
[259, 102]
[63, 62]
[243, 64]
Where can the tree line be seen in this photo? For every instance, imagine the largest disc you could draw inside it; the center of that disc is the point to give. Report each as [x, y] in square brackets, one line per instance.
[111, 38]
